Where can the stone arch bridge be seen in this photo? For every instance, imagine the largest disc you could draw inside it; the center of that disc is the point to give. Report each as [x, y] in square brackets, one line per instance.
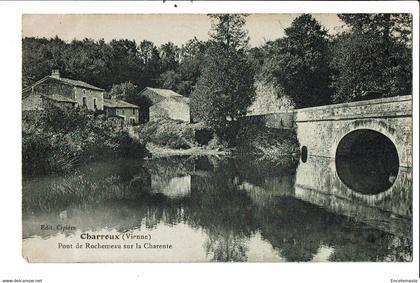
[325, 132]
[320, 129]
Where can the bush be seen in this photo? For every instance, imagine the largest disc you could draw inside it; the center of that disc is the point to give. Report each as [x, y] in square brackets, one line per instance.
[57, 140]
[273, 144]
[127, 147]
[168, 133]
[34, 149]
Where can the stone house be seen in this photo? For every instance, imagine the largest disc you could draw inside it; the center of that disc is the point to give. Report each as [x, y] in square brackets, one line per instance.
[175, 108]
[62, 91]
[124, 110]
[163, 103]
[40, 102]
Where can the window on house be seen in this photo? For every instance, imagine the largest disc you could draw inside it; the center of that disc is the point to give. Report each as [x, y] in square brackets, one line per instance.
[94, 104]
[132, 121]
[134, 111]
[84, 103]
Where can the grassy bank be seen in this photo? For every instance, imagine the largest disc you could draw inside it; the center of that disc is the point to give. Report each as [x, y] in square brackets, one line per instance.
[57, 140]
[166, 137]
[171, 138]
[268, 143]
[159, 151]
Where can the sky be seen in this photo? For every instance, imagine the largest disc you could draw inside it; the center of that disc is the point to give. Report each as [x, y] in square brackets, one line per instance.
[158, 28]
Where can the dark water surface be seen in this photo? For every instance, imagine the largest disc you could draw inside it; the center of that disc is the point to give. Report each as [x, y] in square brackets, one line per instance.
[215, 209]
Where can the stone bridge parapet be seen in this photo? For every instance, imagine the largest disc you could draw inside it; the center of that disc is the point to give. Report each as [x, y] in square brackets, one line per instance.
[321, 128]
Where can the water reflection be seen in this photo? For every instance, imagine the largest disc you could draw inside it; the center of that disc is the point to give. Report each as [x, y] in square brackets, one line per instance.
[318, 182]
[210, 209]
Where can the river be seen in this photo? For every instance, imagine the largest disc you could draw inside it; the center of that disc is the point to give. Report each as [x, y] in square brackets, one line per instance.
[199, 209]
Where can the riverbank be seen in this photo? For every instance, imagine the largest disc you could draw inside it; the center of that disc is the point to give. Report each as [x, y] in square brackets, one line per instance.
[58, 140]
[171, 138]
[267, 143]
[157, 151]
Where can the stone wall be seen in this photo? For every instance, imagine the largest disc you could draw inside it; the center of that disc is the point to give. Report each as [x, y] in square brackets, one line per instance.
[38, 102]
[172, 109]
[128, 114]
[51, 87]
[375, 108]
[91, 96]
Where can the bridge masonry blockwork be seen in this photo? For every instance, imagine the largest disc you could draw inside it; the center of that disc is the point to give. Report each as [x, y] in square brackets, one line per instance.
[320, 129]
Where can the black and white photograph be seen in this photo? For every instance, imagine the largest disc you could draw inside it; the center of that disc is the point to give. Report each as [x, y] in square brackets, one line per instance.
[160, 136]
[228, 137]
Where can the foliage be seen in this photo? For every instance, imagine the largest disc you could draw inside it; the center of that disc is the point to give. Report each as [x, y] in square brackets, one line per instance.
[117, 62]
[181, 67]
[166, 132]
[225, 88]
[299, 63]
[57, 140]
[269, 98]
[272, 144]
[169, 55]
[170, 80]
[126, 91]
[373, 58]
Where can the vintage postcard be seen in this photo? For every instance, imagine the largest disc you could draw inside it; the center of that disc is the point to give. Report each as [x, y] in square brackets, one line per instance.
[280, 137]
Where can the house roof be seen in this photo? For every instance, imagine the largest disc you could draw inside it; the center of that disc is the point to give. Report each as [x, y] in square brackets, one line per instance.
[59, 98]
[163, 92]
[65, 81]
[114, 103]
[155, 95]
[78, 83]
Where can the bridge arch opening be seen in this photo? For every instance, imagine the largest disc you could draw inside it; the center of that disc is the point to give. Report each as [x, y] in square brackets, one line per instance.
[367, 161]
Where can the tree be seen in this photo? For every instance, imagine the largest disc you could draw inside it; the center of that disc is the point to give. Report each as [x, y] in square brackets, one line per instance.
[40, 56]
[169, 57]
[105, 64]
[126, 91]
[269, 99]
[191, 61]
[89, 61]
[170, 80]
[181, 67]
[373, 58]
[225, 88]
[299, 63]
[150, 64]
[96, 62]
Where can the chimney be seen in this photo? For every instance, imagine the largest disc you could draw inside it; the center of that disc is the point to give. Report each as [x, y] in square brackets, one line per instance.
[55, 73]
